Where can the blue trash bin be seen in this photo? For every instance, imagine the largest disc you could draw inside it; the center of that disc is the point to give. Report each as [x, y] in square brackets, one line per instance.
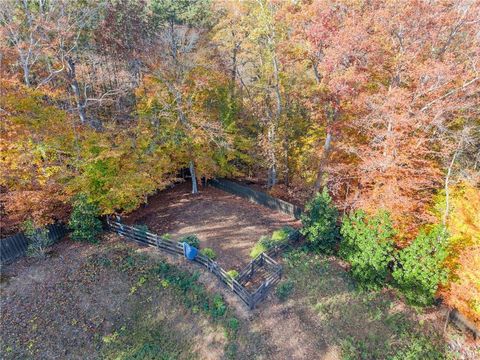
[190, 252]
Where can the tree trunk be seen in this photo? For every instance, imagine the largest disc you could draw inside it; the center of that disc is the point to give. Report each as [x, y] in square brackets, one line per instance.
[272, 169]
[447, 184]
[194, 178]
[326, 151]
[76, 91]
[26, 73]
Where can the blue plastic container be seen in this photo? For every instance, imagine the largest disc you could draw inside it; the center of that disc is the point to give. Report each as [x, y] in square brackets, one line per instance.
[190, 252]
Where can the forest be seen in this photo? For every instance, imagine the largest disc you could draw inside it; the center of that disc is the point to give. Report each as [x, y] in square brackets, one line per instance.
[367, 113]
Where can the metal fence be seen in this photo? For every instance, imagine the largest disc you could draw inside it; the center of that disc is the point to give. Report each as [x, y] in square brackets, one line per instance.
[257, 197]
[16, 246]
[270, 267]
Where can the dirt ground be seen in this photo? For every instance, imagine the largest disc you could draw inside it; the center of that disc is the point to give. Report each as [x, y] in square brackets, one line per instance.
[224, 222]
[70, 307]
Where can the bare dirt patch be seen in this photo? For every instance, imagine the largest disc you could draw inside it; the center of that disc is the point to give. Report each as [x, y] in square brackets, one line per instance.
[224, 222]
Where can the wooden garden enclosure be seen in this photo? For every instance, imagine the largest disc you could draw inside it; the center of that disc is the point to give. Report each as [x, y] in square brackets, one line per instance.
[248, 291]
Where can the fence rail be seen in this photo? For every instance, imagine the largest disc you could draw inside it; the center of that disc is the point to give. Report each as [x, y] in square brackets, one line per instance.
[16, 246]
[237, 284]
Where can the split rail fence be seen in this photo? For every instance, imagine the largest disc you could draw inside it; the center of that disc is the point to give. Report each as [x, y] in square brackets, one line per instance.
[263, 262]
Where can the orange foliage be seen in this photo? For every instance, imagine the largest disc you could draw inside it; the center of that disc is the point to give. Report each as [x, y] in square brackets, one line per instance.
[43, 206]
[463, 293]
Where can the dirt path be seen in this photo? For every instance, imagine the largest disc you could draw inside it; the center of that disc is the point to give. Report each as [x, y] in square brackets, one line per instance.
[224, 222]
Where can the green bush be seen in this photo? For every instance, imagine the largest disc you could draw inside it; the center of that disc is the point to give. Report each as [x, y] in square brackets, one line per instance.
[218, 307]
[191, 240]
[261, 246]
[285, 234]
[368, 246]
[39, 239]
[210, 253]
[420, 269]
[320, 223]
[232, 273]
[278, 238]
[84, 221]
[284, 290]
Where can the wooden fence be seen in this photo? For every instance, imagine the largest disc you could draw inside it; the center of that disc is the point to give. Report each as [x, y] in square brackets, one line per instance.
[237, 284]
[257, 197]
[15, 246]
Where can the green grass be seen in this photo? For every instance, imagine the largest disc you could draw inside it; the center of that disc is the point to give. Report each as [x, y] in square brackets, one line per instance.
[365, 325]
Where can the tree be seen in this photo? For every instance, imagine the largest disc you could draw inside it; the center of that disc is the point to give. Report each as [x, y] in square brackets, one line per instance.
[320, 223]
[182, 23]
[420, 269]
[84, 221]
[367, 245]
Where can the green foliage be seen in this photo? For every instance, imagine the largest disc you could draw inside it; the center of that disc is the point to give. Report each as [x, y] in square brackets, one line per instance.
[420, 268]
[218, 308]
[232, 273]
[278, 238]
[284, 290]
[320, 223]
[191, 240]
[368, 246]
[285, 234]
[260, 246]
[147, 336]
[210, 253]
[386, 331]
[182, 12]
[192, 294]
[39, 242]
[84, 221]
[233, 325]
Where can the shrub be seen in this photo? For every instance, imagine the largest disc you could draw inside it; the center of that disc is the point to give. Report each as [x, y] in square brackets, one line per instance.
[233, 324]
[284, 290]
[210, 253]
[320, 223]
[39, 239]
[368, 246]
[261, 246]
[84, 221]
[232, 273]
[279, 237]
[420, 270]
[191, 240]
[285, 234]
[218, 307]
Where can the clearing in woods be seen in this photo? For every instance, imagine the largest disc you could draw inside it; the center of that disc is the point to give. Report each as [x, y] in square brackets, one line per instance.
[117, 300]
[224, 222]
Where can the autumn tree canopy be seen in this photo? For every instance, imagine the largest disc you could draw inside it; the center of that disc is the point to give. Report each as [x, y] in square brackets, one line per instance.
[377, 101]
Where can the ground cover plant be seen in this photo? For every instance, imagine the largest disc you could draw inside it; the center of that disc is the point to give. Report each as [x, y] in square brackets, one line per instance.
[39, 241]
